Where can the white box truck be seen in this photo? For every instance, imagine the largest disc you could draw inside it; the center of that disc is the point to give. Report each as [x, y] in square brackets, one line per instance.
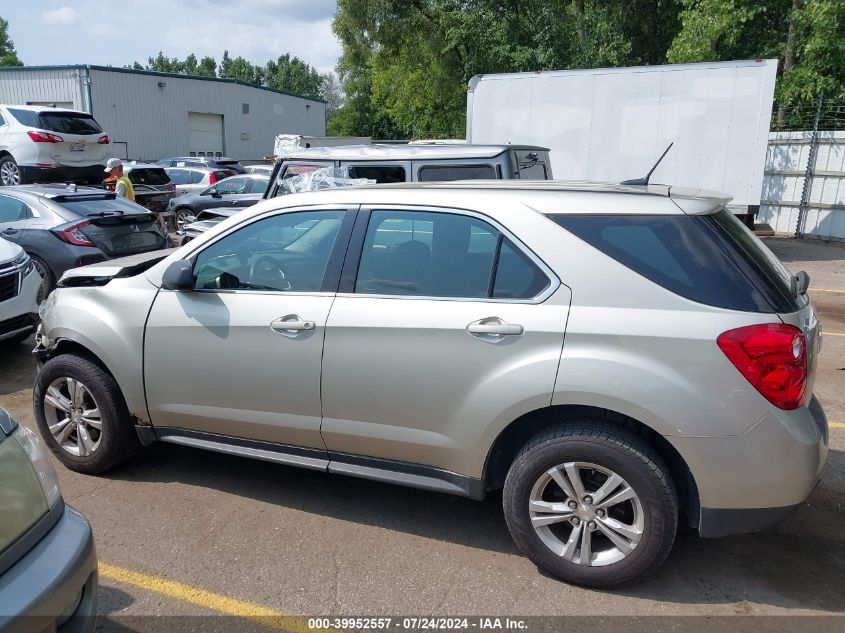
[612, 124]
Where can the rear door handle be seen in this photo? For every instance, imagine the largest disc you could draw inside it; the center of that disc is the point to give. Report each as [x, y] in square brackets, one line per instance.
[291, 323]
[494, 326]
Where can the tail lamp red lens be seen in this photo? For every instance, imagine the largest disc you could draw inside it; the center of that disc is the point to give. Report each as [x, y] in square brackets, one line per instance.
[104, 139]
[74, 235]
[44, 137]
[212, 178]
[773, 358]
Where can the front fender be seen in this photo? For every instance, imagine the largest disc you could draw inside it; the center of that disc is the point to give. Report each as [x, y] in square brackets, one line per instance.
[109, 322]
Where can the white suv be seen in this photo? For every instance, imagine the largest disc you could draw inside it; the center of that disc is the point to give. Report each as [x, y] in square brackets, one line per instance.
[39, 144]
[19, 283]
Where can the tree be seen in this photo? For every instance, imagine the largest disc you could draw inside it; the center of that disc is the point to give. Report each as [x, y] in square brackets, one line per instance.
[332, 93]
[8, 54]
[412, 59]
[292, 75]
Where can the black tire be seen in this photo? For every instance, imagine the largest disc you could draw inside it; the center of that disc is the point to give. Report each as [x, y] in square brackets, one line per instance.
[48, 280]
[118, 439]
[8, 165]
[622, 453]
[181, 213]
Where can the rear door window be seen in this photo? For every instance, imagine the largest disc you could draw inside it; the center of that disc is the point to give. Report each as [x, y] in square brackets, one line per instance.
[712, 259]
[179, 176]
[12, 209]
[429, 254]
[440, 173]
[379, 173]
[258, 185]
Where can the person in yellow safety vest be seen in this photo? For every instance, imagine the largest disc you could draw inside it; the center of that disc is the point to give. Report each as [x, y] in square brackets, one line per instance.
[122, 185]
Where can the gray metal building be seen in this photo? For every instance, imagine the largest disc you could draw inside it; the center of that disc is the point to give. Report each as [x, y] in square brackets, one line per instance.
[150, 115]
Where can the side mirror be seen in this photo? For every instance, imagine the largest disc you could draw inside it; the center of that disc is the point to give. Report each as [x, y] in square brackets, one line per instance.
[179, 276]
[215, 194]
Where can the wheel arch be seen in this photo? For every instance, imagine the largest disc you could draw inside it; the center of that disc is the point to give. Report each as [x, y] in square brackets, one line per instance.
[515, 435]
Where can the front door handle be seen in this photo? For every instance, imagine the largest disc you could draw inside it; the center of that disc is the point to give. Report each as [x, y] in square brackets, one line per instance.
[291, 323]
[494, 326]
[10, 231]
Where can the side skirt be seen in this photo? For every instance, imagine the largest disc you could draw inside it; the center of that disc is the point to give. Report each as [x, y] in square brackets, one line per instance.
[376, 469]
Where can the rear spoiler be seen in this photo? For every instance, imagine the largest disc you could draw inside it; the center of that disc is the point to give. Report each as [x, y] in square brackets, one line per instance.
[101, 273]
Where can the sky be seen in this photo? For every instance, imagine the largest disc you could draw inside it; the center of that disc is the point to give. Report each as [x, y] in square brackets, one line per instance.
[47, 32]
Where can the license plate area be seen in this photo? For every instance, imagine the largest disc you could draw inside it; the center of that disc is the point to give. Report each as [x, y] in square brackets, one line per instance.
[77, 147]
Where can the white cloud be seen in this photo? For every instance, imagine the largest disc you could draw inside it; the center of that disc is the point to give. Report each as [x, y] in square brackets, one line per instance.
[63, 16]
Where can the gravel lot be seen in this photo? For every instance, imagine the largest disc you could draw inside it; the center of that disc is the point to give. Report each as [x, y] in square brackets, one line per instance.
[310, 543]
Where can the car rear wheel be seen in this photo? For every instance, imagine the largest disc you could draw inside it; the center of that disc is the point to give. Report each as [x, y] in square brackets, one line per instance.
[82, 415]
[181, 215]
[591, 504]
[10, 173]
[48, 281]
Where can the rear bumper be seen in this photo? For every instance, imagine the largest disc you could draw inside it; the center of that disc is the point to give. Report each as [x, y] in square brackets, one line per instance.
[753, 481]
[92, 174]
[48, 581]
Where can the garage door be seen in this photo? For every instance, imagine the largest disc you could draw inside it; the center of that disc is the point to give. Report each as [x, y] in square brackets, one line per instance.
[205, 134]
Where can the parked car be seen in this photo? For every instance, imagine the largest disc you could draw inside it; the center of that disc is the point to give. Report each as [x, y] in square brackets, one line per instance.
[19, 286]
[64, 226]
[153, 187]
[195, 179]
[263, 168]
[207, 162]
[43, 144]
[617, 358]
[236, 191]
[194, 226]
[418, 163]
[48, 564]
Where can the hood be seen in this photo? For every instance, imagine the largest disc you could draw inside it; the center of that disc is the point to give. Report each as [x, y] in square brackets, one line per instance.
[9, 251]
[101, 272]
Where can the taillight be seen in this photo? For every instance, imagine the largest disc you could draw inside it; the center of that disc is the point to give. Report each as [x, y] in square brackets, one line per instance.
[772, 357]
[74, 235]
[104, 139]
[44, 137]
[212, 178]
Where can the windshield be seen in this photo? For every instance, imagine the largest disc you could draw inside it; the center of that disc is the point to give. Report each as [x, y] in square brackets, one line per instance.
[62, 122]
[149, 176]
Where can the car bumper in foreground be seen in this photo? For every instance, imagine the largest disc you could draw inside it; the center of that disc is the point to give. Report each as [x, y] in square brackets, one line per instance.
[752, 482]
[19, 315]
[54, 584]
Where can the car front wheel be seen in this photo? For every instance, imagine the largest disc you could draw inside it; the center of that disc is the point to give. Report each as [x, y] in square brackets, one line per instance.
[81, 414]
[591, 504]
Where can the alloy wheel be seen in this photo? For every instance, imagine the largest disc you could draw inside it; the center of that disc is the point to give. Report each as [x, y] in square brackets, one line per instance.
[9, 173]
[73, 416]
[586, 514]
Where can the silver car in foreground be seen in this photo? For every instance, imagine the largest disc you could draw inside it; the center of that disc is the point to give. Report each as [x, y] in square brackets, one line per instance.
[617, 358]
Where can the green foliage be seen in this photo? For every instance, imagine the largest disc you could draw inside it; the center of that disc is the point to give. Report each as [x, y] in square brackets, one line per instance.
[287, 73]
[710, 29]
[820, 54]
[8, 55]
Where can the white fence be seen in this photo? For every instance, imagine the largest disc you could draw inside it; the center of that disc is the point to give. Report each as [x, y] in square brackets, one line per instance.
[783, 184]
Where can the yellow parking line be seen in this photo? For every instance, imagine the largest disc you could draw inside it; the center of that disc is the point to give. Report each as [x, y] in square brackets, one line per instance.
[837, 425]
[831, 333]
[827, 290]
[214, 601]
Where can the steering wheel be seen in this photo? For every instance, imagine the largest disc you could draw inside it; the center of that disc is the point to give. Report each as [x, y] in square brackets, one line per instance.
[266, 271]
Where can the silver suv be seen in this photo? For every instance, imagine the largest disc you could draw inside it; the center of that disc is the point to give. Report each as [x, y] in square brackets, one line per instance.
[616, 358]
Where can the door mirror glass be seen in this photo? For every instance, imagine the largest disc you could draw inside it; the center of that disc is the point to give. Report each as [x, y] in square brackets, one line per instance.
[178, 276]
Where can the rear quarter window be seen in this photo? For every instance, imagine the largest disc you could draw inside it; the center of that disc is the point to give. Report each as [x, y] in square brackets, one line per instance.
[711, 259]
[442, 173]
